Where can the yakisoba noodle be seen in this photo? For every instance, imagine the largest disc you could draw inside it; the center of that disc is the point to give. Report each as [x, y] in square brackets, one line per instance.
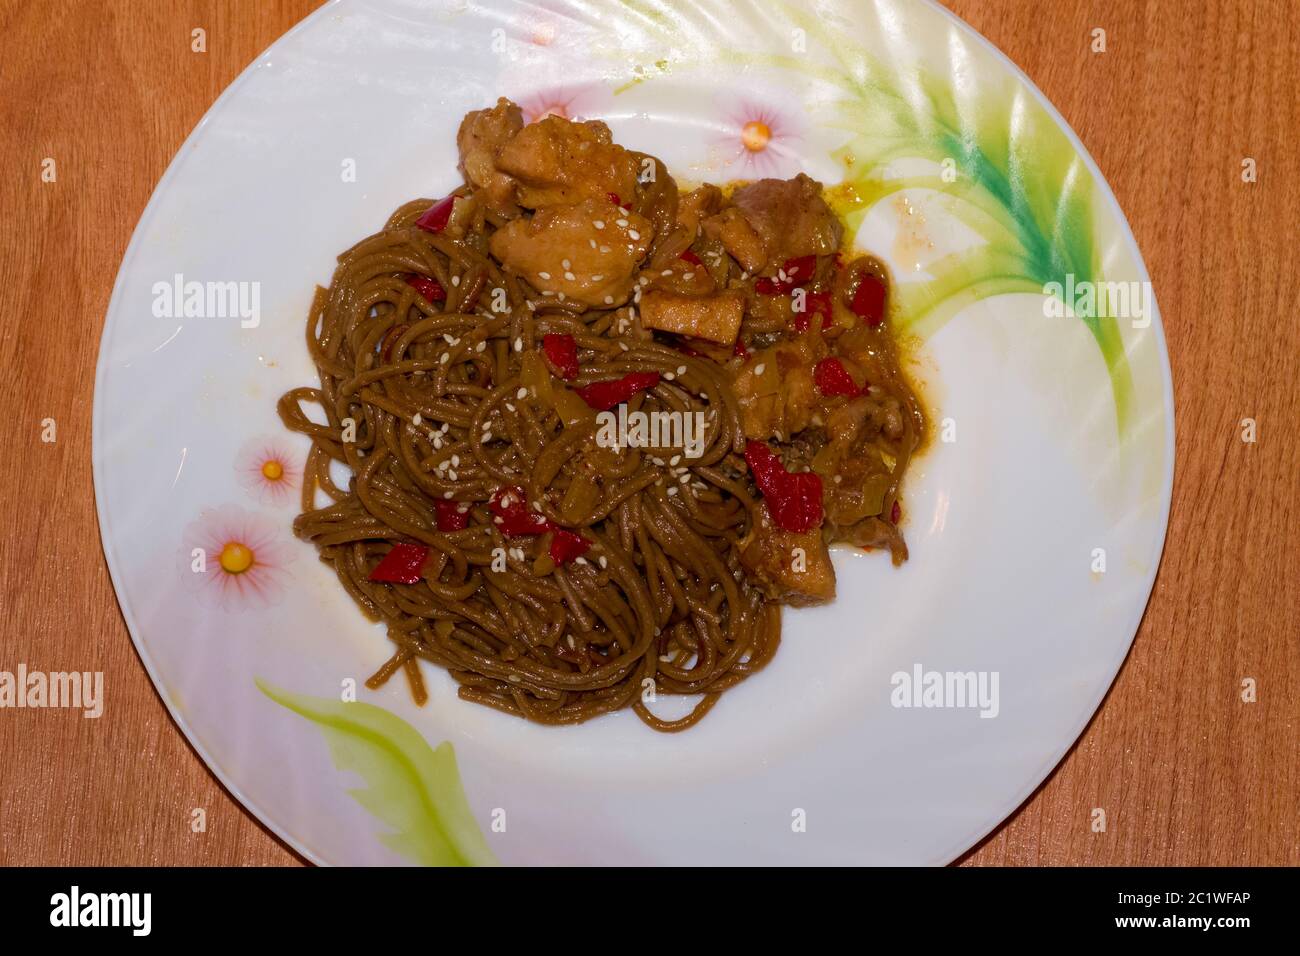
[448, 413]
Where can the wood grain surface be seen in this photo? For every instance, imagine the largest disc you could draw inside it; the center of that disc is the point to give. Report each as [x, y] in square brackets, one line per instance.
[1187, 772]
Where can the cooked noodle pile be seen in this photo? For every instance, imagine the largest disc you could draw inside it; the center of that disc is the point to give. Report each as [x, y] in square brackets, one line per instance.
[553, 576]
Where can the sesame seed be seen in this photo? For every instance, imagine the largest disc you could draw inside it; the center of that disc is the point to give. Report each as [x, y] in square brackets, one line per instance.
[519, 344]
[676, 459]
[633, 235]
[580, 560]
[620, 223]
[416, 419]
[672, 491]
[681, 370]
[451, 474]
[455, 461]
[669, 375]
[570, 276]
[666, 272]
[481, 347]
[598, 223]
[592, 243]
[487, 425]
[522, 393]
[689, 276]
[446, 494]
[487, 437]
[604, 561]
[684, 478]
[567, 264]
[609, 300]
[604, 250]
[597, 278]
[561, 296]
[509, 407]
[543, 275]
[758, 369]
[455, 281]
[446, 357]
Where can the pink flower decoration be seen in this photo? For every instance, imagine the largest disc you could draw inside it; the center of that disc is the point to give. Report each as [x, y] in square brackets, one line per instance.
[760, 138]
[268, 470]
[581, 102]
[235, 559]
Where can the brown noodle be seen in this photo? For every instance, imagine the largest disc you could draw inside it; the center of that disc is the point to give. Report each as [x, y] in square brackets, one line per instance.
[660, 601]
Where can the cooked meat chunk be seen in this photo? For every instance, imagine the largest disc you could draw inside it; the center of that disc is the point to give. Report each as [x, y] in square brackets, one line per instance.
[480, 138]
[732, 229]
[712, 317]
[790, 567]
[579, 251]
[697, 205]
[775, 220]
[556, 161]
[775, 388]
[682, 277]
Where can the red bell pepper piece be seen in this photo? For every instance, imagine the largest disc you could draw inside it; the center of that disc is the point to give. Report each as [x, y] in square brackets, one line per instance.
[613, 197]
[798, 272]
[815, 303]
[451, 515]
[431, 289]
[605, 395]
[793, 500]
[437, 216]
[691, 257]
[561, 351]
[895, 512]
[832, 378]
[512, 515]
[401, 565]
[567, 545]
[739, 349]
[868, 300]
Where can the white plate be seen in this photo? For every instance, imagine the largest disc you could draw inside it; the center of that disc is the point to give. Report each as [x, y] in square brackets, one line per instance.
[1061, 460]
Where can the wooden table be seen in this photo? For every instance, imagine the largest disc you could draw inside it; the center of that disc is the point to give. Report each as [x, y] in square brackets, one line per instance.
[1187, 772]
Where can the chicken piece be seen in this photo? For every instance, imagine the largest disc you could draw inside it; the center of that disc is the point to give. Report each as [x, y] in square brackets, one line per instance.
[732, 229]
[791, 216]
[680, 276]
[697, 205]
[579, 251]
[556, 161]
[481, 135]
[793, 568]
[712, 317]
[775, 388]
[773, 220]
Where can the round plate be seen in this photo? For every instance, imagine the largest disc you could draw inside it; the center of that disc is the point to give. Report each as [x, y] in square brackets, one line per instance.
[897, 725]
